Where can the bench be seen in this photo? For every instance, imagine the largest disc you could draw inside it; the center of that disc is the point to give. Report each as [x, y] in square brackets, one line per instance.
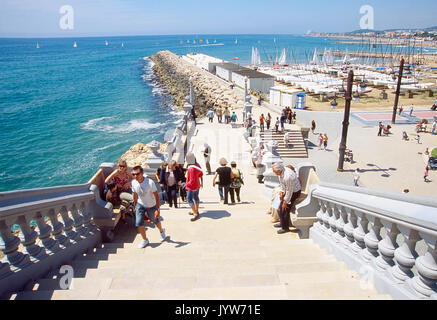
[303, 216]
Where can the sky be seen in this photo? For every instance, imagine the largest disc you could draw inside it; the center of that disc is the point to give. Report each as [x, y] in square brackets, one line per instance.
[41, 18]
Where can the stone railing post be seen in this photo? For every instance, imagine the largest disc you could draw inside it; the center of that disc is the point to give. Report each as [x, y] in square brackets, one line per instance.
[425, 283]
[405, 255]
[68, 225]
[319, 215]
[78, 222]
[332, 228]
[372, 239]
[359, 233]
[334, 222]
[349, 228]
[387, 247]
[341, 222]
[326, 216]
[28, 238]
[87, 218]
[9, 245]
[58, 228]
[45, 232]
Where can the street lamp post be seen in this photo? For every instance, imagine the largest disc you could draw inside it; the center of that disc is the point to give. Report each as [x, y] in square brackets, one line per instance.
[348, 98]
[398, 91]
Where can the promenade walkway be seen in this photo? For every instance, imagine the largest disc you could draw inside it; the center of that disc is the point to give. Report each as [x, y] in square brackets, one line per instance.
[231, 252]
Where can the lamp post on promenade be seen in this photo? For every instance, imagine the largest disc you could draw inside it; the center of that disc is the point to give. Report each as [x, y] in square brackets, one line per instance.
[398, 91]
[348, 98]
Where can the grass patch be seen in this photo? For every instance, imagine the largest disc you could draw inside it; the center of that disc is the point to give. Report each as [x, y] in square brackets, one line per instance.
[434, 153]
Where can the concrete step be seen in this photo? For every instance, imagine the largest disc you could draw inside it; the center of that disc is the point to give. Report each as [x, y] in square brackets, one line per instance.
[89, 294]
[88, 283]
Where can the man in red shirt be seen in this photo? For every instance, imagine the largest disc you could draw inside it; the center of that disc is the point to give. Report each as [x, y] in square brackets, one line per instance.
[193, 184]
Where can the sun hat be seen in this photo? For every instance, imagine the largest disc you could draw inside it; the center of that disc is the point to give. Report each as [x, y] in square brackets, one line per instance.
[223, 162]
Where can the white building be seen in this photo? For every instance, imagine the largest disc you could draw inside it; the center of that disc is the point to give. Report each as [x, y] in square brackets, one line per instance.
[283, 96]
[203, 61]
[224, 70]
[257, 81]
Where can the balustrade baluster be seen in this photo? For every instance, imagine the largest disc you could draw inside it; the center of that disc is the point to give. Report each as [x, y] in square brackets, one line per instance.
[5, 269]
[78, 223]
[349, 228]
[359, 233]
[319, 225]
[9, 246]
[340, 223]
[372, 238]
[333, 220]
[58, 228]
[405, 255]
[45, 232]
[28, 238]
[425, 283]
[68, 225]
[87, 218]
[387, 247]
[326, 219]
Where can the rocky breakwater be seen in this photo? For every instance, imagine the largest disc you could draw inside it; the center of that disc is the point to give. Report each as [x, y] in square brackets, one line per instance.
[138, 154]
[175, 73]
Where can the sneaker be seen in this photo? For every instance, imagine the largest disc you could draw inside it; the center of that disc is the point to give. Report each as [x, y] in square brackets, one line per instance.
[196, 217]
[282, 231]
[143, 244]
[278, 225]
[163, 234]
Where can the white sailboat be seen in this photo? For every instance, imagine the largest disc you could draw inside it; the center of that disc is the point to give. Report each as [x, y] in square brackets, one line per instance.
[236, 41]
[207, 41]
[74, 44]
[122, 44]
[316, 60]
[215, 41]
[283, 58]
[347, 58]
[188, 41]
[106, 43]
[37, 45]
[194, 41]
[256, 58]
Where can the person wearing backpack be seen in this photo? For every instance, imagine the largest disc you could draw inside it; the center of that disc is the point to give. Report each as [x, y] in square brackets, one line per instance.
[237, 182]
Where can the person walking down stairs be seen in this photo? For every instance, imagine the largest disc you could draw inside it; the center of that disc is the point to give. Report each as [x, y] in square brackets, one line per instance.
[207, 156]
[146, 203]
[236, 183]
[193, 184]
[225, 176]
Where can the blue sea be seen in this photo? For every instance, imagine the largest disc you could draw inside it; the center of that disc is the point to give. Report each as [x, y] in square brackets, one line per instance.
[65, 110]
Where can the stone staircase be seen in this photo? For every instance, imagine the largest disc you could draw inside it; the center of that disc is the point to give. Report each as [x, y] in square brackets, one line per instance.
[296, 147]
[232, 252]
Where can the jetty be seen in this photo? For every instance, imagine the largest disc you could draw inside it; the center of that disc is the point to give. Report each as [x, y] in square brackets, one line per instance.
[346, 243]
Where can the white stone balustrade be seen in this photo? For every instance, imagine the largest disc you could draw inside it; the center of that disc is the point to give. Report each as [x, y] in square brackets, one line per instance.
[393, 235]
[49, 243]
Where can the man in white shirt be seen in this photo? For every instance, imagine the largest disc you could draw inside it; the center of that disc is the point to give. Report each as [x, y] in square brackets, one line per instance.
[411, 110]
[290, 190]
[357, 175]
[146, 202]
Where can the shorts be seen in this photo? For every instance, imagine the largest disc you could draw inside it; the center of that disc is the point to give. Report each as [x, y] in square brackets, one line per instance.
[141, 212]
[193, 195]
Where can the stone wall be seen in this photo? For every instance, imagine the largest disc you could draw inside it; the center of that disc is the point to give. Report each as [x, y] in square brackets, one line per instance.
[174, 73]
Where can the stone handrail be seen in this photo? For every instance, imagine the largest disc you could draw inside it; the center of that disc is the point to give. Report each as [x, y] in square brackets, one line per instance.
[53, 226]
[390, 238]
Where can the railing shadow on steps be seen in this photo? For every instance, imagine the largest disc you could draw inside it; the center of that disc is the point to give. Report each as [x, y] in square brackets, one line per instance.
[33, 239]
[389, 238]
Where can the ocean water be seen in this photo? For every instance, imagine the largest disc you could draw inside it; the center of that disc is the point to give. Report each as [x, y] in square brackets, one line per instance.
[65, 110]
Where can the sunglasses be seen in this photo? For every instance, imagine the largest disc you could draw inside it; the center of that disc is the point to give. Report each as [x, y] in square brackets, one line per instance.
[122, 166]
[136, 174]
